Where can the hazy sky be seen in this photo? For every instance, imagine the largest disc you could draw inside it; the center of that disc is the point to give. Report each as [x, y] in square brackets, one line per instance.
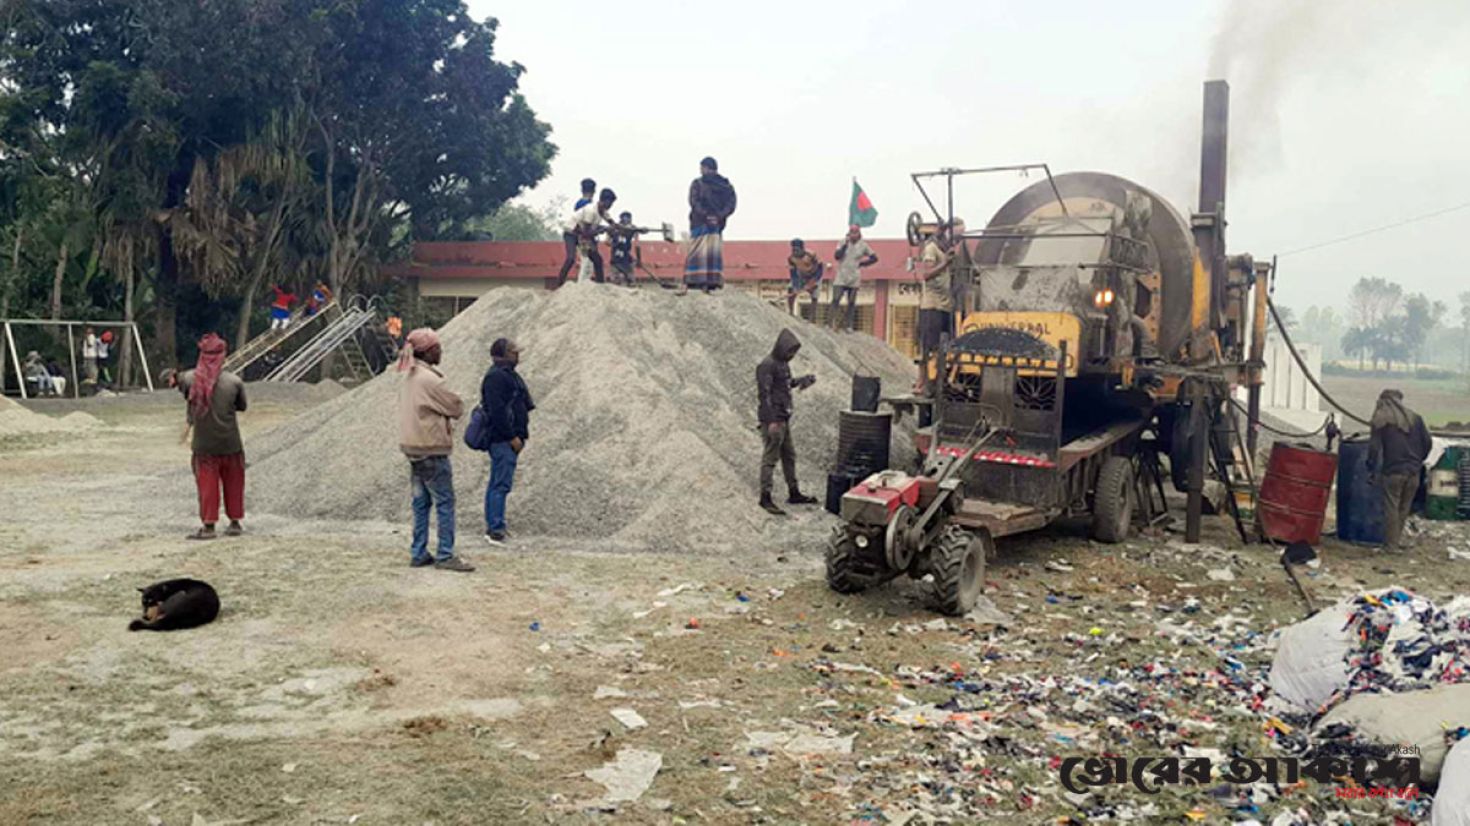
[1344, 115]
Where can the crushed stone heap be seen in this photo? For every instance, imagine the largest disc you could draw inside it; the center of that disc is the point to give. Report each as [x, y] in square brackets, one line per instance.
[17, 420]
[644, 433]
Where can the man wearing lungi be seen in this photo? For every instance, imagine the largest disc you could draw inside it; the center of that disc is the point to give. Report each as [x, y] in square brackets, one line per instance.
[711, 203]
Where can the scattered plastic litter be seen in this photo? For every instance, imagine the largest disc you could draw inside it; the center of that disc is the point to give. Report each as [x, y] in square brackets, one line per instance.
[631, 719]
[536, 626]
[628, 775]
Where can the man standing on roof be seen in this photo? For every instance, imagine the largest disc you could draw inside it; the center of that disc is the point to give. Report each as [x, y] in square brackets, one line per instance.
[852, 255]
[1396, 454]
[773, 384]
[806, 275]
[215, 397]
[711, 203]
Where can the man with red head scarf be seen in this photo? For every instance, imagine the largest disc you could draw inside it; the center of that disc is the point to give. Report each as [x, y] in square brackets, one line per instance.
[215, 396]
[427, 410]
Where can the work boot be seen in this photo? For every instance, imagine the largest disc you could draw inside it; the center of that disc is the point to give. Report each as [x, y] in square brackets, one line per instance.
[797, 498]
[206, 532]
[234, 529]
[770, 507]
[454, 563]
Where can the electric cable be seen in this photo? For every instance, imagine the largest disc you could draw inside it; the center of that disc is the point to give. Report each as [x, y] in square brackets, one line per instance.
[1302, 363]
[1279, 432]
[1330, 242]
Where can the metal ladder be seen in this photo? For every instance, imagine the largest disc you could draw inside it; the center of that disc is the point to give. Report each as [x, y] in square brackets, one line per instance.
[340, 333]
[257, 347]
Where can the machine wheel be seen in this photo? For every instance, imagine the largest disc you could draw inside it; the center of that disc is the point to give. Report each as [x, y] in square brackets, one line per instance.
[957, 561]
[842, 575]
[1112, 502]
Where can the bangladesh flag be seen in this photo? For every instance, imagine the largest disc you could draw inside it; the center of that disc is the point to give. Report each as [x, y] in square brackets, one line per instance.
[861, 210]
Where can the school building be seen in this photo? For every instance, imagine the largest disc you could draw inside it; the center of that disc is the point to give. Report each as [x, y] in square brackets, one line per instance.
[450, 275]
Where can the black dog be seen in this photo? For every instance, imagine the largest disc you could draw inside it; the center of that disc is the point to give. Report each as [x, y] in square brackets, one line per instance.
[176, 603]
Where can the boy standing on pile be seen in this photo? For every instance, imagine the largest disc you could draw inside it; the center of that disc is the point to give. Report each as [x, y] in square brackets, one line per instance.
[427, 409]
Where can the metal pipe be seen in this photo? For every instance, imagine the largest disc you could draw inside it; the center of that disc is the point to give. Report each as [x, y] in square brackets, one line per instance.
[1257, 357]
[1199, 427]
[20, 378]
[71, 349]
[142, 357]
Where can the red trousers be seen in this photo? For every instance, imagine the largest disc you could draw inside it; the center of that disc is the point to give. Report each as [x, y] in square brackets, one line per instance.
[212, 471]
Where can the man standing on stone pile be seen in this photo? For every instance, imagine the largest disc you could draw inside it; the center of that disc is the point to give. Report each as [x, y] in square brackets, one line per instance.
[806, 275]
[507, 404]
[427, 410]
[215, 395]
[852, 255]
[773, 383]
[711, 203]
[1396, 454]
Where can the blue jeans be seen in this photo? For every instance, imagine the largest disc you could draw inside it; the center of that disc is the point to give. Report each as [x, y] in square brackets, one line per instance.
[502, 473]
[433, 484]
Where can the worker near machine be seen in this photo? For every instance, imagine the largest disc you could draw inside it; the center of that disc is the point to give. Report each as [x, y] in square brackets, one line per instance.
[774, 383]
[1396, 454]
[507, 404]
[427, 410]
[806, 275]
[215, 397]
[852, 255]
[621, 238]
[936, 303]
[711, 203]
[281, 307]
[569, 234]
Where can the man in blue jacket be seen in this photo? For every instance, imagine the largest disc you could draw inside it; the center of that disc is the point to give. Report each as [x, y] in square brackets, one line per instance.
[507, 404]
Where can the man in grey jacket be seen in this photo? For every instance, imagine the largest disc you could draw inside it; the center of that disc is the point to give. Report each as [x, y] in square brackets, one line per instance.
[1396, 454]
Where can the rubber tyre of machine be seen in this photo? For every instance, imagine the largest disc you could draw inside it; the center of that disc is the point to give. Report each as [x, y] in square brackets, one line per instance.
[1112, 500]
[843, 575]
[957, 561]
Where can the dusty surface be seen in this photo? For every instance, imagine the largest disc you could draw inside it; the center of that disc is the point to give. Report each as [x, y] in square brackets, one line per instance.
[340, 686]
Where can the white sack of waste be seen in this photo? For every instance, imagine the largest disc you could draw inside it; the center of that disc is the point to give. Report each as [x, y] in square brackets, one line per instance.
[1310, 664]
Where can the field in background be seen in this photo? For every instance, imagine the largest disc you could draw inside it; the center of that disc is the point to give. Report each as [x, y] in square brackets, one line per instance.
[1438, 401]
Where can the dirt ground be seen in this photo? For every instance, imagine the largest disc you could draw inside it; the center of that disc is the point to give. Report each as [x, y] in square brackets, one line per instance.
[341, 686]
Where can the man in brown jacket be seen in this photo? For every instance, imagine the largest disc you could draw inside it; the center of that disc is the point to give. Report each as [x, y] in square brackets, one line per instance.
[427, 409]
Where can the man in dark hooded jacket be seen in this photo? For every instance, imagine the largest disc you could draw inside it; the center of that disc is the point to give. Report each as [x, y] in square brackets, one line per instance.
[1396, 454]
[773, 386]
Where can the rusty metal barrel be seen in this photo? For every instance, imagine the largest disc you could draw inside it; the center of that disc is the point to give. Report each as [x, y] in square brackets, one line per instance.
[1295, 492]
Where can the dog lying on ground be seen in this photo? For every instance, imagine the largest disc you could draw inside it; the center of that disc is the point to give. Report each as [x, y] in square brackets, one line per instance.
[176, 603]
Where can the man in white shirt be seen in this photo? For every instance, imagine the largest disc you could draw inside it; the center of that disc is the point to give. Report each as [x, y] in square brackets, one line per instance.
[587, 223]
[89, 357]
[936, 306]
[852, 255]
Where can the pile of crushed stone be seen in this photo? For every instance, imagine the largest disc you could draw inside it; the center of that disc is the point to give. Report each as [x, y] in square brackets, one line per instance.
[16, 420]
[644, 434]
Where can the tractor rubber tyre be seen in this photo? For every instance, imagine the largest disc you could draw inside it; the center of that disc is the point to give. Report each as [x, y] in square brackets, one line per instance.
[957, 561]
[842, 575]
[1112, 501]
